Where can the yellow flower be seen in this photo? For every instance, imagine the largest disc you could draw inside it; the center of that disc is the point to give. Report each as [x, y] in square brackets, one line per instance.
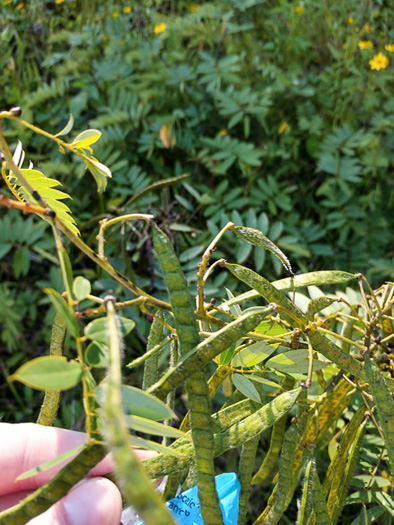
[299, 10]
[283, 127]
[367, 28]
[379, 61]
[59, 1]
[159, 28]
[7, 2]
[115, 14]
[127, 9]
[365, 44]
[105, 37]
[389, 48]
[19, 6]
[223, 132]
[193, 8]
[350, 20]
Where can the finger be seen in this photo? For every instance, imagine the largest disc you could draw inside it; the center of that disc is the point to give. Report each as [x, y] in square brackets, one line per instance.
[93, 501]
[24, 446]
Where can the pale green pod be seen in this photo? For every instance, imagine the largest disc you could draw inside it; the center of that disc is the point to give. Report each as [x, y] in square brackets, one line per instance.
[306, 499]
[208, 350]
[245, 471]
[47, 495]
[294, 315]
[196, 386]
[338, 504]
[299, 281]
[385, 404]
[336, 469]
[318, 502]
[289, 467]
[136, 486]
[152, 362]
[51, 400]
[347, 331]
[271, 458]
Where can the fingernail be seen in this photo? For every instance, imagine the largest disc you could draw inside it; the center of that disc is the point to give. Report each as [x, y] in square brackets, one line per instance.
[92, 502]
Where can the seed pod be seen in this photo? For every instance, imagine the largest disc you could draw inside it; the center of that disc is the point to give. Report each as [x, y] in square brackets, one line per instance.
[318, 502]
[347, 331]
[336, 470]
[47, 495]
[50, 404]
[246, 464]
[278, 430]
[288, 473]
[384, 403]
[257, 238]
[338, 504]
[208, 350]
[136, 486]
[306, 499]
[151, 364]
[318, 304]
[298, 319]
[196, 386]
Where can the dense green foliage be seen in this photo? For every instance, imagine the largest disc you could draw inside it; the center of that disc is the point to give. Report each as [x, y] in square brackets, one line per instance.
[281, 115]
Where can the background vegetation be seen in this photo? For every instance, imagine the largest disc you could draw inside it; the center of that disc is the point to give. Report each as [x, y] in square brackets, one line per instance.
[280, 112]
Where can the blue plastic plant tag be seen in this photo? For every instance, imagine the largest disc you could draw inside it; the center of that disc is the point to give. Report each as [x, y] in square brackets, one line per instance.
[186, 508]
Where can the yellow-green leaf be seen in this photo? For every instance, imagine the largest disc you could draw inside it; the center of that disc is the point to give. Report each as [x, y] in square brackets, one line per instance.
[86, 138]
[97, 330]
[64, 310]
[49, 373]
[51, 463]
[67, 128]
[142, 424]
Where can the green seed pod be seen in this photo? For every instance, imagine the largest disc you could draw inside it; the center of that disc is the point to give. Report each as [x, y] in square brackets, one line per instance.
[50, 404]
[151, 364]
[257, 238]
[335, 472]
[289, 467]
[136, 486]
[338, 504]
[318, 502]
[298, 319]
[278, 430]
[47, 495]
[172, 485]
[306, 499]
[208, 350]
[384, 403]
[246, 464]
[196, 386]
[318, 304]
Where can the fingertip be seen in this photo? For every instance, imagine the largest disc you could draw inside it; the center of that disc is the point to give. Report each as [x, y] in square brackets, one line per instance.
[94, 501]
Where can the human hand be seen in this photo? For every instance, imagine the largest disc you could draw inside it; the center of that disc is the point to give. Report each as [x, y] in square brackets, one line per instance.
[93, 501]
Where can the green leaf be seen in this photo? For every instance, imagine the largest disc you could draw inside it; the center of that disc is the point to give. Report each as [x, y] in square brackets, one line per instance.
[49, 373]
[97, 355]
[246, 387]
[81, 288]
[254, 354]
[86, 138]
[136, 402]
[294, 362]
[226, 356]
[21, 261]
[64, 310]
[51, 463]
[152, 445]
[97, 329]
[141, 424]
[100, 172]
[67, 128]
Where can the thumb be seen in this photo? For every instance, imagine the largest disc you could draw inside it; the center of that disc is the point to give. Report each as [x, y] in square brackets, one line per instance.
[93, 501]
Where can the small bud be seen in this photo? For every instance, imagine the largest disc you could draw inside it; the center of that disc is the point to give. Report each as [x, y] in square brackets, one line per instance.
[2, 158]
[149, 318]
[212, 301]
[16, 111]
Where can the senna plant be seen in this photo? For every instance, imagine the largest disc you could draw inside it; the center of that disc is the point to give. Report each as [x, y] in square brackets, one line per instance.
[301, 379]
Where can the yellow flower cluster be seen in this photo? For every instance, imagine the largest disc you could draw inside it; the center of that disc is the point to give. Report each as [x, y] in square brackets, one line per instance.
[367, 28]
[379, 61]
[365, 44]
[193, 8]
[389, 48]
[283, 127]
[350, 20]
[159, 28]
[299, 10]
[127, 9]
